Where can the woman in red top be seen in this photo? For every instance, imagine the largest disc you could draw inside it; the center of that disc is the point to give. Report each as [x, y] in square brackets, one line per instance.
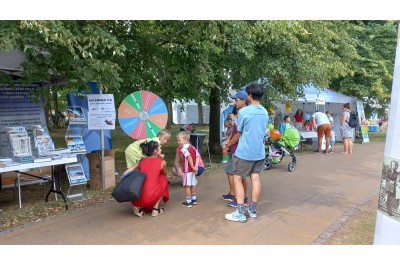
[298, 117]
[155, 186]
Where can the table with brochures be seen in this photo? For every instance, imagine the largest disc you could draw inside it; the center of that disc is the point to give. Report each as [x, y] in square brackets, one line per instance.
[55, 187]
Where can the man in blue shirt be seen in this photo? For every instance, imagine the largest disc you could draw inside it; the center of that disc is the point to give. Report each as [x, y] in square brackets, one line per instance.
[249, 157]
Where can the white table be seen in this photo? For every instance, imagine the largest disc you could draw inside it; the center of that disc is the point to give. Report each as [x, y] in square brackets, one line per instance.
[308, 134]
[314, 136]
[54, 188]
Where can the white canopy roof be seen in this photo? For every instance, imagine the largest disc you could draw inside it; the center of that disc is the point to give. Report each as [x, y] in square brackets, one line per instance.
[311, 93]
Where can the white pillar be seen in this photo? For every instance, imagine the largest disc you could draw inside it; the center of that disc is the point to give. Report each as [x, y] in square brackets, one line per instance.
[387, 228]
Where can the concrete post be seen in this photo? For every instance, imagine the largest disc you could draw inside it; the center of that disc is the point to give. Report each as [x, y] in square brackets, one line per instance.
[387, 228]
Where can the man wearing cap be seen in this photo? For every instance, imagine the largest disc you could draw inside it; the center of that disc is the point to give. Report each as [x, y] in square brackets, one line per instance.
[249, 156]
[240, 102]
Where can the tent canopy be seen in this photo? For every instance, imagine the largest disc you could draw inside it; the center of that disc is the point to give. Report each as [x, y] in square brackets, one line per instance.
[10, 62]
[311, 94]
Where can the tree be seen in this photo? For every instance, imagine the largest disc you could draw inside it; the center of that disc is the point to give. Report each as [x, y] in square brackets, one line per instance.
[63, 54]
[371, 72]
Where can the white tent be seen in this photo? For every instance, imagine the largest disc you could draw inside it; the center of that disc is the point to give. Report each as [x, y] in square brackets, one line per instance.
[322, 99]
[185, 113]
[10, 62]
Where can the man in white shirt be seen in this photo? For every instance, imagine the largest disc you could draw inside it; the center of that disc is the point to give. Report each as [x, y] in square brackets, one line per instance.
[321, 122]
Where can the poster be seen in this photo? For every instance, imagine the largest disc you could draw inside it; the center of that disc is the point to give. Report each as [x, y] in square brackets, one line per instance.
[101, 112]
[389, 196]
[17, 108]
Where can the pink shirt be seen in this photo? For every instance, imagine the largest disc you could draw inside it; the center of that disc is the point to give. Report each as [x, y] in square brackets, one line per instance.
[201, 164]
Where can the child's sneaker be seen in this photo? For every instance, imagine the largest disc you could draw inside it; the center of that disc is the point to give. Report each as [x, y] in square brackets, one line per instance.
[236, 217]
[251, 214]
[187, 204]
[194, 202]
[228, 197]
[233, 203]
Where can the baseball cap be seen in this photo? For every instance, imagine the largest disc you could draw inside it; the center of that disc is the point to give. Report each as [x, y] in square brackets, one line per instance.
[241, 94]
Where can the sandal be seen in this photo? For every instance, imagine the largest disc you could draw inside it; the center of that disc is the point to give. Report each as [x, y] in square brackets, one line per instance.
[158, 211]
[138, 211]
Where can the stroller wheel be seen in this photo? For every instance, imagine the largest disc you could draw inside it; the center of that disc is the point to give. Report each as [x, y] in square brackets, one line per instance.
[291, 166]
[268, 163]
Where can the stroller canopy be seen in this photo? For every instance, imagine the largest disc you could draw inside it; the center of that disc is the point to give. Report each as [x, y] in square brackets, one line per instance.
[290, 137]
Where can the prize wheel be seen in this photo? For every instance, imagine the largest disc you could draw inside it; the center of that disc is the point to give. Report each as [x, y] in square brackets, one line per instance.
[142, 115]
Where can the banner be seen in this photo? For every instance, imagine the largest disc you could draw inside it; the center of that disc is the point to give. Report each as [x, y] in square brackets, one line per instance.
[101, 112]
[17, 108]
[319, 101]
[362, 121]
[90, 137]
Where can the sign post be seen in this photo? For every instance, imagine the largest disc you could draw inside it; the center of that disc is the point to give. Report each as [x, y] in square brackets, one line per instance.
[101, 112]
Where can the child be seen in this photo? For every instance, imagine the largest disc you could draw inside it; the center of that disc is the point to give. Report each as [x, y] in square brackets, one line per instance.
[229, 124]
[332, 141]
[308, 126]
[330, 118]
[282, 127]
[133, 153]
[190, 128]
[188, 155]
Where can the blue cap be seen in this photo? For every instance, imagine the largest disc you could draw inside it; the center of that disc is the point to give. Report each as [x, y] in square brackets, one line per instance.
[241, 94]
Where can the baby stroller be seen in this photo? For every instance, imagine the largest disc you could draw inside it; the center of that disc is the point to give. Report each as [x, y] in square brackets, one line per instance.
[276, 147]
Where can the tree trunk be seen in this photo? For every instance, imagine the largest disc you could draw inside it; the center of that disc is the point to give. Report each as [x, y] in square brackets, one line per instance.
[170, 114]
[55, 97]
[215, 108]
[200, 110]
[49, 117]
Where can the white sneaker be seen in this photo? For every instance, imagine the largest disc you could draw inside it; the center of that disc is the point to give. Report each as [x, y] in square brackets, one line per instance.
[236, 217]
[251, 214]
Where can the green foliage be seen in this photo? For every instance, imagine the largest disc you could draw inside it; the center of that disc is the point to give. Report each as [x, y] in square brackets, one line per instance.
[371, 71]
[200, 60]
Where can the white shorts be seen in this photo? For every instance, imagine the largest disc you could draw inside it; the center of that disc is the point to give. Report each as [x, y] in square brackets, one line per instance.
[189, 179]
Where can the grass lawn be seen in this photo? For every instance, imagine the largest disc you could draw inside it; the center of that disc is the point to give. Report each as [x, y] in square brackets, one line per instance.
[120, 141]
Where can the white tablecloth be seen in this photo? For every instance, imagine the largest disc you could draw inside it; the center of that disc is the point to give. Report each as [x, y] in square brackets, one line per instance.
[306, 134]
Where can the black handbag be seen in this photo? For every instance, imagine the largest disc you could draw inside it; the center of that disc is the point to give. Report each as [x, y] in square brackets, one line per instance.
[130, 187]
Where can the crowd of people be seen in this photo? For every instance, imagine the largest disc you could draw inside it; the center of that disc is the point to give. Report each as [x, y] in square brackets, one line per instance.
[246, 128]
[323, 124]
[245, 142]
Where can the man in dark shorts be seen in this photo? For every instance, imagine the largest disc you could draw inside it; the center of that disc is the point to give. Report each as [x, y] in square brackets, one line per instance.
[249, 156]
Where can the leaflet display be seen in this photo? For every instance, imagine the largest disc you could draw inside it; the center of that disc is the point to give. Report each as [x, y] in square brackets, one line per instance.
[77, 181]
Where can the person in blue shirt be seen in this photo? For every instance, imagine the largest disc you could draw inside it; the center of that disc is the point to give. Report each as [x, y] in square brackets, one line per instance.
[282, 127]
[249, 156]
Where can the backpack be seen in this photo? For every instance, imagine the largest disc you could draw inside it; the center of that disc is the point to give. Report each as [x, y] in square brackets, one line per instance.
[353, 120]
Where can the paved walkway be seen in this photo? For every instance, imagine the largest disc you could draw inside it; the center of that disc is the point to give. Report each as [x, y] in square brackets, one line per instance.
[297, 208]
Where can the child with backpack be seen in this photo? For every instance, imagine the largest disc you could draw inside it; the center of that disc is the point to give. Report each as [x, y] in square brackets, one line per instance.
[190, 167]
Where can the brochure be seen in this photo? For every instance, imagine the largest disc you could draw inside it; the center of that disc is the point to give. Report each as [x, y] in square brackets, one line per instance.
[75, 173]
[75, 143]
[75, 114]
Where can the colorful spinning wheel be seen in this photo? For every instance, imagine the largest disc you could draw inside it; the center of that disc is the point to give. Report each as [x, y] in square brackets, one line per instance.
[142, 114]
